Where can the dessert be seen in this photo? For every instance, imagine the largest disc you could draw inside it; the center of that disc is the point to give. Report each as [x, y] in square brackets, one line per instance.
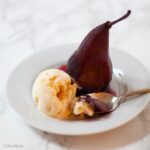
[72, 89]
[91, 65]
[53, 93]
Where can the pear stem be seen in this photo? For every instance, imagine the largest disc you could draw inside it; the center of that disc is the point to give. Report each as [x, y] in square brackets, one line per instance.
[120, 19]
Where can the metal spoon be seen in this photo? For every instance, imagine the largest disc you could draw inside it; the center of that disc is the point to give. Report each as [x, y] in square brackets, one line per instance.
[105, 102]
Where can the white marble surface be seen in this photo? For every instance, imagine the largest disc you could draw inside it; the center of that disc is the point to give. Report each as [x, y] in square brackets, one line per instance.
[28, 26]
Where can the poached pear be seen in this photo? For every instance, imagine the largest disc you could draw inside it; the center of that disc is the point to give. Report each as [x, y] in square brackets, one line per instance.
[90, 65]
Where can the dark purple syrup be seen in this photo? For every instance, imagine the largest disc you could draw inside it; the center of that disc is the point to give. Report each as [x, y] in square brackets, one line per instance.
[63, 68]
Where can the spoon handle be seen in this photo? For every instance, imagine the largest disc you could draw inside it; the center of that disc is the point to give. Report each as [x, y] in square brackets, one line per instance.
[143, 91]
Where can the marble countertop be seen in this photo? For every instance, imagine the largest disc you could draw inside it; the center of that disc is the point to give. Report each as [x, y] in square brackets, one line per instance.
[28, 26]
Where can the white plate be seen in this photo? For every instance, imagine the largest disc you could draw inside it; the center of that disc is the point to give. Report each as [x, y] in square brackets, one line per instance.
[19, 85]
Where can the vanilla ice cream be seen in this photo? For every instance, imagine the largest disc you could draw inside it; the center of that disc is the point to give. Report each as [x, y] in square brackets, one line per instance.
[53, 93]
[82, 108]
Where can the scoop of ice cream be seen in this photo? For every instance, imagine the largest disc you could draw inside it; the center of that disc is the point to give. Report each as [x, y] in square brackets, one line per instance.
[53, 93]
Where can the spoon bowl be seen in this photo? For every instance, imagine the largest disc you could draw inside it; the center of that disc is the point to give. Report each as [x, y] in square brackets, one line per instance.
[104, 102]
